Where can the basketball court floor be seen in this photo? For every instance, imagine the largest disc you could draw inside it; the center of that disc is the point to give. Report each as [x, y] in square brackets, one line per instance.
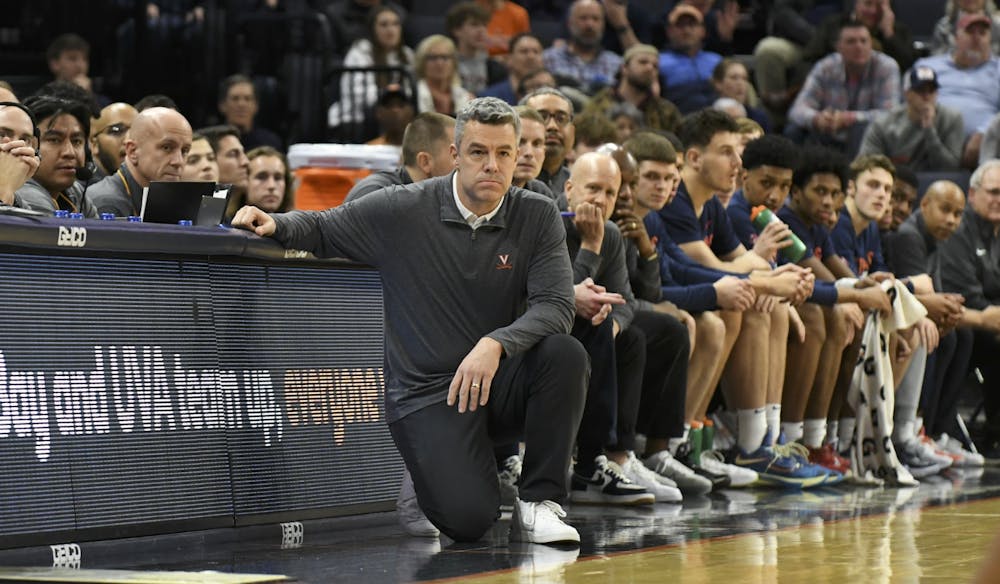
[939, 532]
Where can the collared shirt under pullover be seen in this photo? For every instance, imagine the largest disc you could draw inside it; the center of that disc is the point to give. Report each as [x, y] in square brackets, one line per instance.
[970, 261]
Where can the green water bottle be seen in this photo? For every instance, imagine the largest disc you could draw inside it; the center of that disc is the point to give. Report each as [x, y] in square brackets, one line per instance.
[761, 216]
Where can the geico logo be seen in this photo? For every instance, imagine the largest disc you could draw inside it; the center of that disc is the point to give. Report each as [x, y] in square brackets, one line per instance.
[72, 236]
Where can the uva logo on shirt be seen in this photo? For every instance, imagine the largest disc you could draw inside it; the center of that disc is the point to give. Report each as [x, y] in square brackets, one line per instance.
[503, 262]
[818, 252]
[864, 263]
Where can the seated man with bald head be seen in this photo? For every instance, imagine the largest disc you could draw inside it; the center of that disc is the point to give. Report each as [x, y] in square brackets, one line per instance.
[155, 148]
[107, 137]
[922, 235]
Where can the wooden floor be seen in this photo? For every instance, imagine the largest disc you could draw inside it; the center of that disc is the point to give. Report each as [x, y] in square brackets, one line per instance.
[939, 532]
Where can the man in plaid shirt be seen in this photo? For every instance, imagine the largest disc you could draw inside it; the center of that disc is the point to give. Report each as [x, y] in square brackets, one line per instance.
[846, 90]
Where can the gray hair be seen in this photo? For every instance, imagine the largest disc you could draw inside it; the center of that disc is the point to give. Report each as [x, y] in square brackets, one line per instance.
[976, 180]
[487, 110]
[548, 91]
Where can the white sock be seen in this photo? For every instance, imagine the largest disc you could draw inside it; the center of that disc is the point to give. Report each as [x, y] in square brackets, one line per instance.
[674, 443]
[845, 433]
[813, 431]
[904, 433]
[752, 429]
[904, 414]
[792, 430]
[773, 422]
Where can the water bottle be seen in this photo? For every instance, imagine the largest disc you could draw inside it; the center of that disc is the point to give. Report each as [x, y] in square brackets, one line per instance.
[761, 217]
[61, 214]
[134, 219]
[107, 216]
[185, 222]
[76, 215]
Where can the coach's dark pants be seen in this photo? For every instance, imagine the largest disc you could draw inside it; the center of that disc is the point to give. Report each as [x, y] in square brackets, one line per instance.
[538, 395]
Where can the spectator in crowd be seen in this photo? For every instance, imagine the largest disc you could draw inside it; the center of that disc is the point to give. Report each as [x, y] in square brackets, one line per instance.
[7, 92]
[686, 68]
[426, 154]
[272, 186]
[507, 20]
[238, 106]
[18, 161]
[107, 137]
[970, 266]
[234, 168]
[720, 20]
[200, 163]
[381, 47]
[888, 34]
[155, 100]
[637, 81]
[68, 57]
[969, 79]
[535, 80]
[730, 78]
[592, 131]
[155, 149]
[627, 120]
[845, 91]
[350, 22]
[64, 126]
[943, 41]
[524, 57]
[582, 58]
[460, 396]
[439, 88]
[466, 24]
[920, 132]
[393, 112]
[560, 134]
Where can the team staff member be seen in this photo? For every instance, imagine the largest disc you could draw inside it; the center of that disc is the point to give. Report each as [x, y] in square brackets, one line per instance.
[481, 354]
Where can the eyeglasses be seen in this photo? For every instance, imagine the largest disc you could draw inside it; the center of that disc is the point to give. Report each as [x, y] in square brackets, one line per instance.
[561, 118]
[114, 130]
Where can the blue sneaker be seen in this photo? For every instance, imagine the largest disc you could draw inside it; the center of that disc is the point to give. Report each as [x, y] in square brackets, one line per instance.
[780, 468]
[801, 453]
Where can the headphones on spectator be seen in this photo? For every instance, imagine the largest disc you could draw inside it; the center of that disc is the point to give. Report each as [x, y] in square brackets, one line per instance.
[34, 125]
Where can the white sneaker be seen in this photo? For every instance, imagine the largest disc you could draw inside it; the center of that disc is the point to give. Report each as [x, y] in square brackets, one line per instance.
[663, 463]
[540, 523]
[965, 457]
[509, 477]
[713, 461]
[411, 517]
[662, 488]
[930, 449]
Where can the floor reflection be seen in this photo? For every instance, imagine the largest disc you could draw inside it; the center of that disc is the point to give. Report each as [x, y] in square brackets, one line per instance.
[938, 531]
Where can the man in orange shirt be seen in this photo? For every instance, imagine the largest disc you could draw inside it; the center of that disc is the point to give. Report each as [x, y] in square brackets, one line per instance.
[506, 20]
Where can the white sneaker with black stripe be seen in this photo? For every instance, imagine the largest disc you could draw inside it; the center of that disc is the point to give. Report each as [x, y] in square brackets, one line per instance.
[662, 488]
[607, 486]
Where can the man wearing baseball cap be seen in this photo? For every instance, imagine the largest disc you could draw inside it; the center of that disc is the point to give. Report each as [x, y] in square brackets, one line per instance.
[686, 68]
[636, 79]
[969, 79]
[920, 132]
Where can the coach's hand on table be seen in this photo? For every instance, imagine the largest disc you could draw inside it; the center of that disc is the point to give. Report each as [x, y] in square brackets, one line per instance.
[253, 219]
[471, 385]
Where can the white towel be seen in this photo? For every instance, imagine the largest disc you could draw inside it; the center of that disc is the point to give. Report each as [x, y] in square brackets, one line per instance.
[873, 458]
